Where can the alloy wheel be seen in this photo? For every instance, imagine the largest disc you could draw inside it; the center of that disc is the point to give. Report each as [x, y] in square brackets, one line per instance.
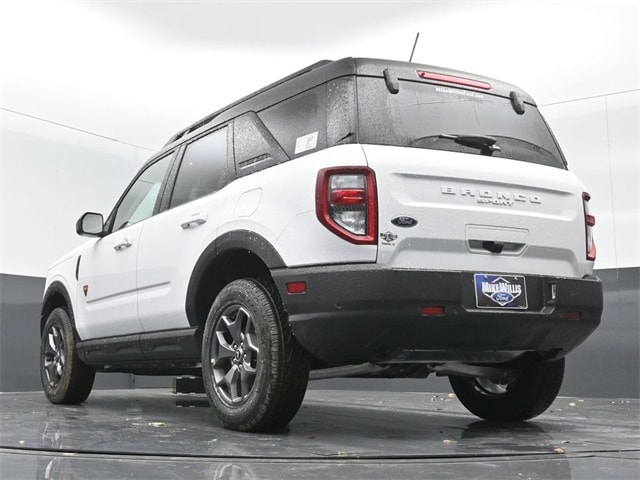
[234, 354]
[54, 355]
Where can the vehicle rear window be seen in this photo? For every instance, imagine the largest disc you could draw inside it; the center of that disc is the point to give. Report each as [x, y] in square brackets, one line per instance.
[423, 115]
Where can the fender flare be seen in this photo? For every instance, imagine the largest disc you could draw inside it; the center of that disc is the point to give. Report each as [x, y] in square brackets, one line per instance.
[56, 287]
[243, 240]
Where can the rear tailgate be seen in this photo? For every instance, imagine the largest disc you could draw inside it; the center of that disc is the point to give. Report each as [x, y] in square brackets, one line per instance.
[441, 210]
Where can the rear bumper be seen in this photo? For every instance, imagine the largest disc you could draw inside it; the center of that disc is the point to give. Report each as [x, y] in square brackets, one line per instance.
[364, 313]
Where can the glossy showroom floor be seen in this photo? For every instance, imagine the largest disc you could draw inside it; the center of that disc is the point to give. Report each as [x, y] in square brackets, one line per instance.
[337, 434]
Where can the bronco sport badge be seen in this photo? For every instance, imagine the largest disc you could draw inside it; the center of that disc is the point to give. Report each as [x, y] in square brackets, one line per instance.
[500, 291]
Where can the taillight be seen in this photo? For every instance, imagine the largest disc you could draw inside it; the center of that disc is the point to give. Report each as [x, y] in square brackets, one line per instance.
[589, 222]
[347, 203]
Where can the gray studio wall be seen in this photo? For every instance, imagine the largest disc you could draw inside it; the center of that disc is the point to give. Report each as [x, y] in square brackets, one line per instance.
[50, 174]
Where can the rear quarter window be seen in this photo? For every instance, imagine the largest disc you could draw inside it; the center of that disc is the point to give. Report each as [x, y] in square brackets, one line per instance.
[299, 124]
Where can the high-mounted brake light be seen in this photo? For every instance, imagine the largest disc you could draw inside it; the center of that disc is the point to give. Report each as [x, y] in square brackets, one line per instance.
[589, 223]
[347, 203]
[467, 82]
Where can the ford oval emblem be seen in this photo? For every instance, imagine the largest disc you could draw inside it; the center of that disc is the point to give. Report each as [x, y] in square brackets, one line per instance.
[404, 221]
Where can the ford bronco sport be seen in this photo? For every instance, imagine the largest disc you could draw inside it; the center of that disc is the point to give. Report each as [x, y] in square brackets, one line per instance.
[357, 218]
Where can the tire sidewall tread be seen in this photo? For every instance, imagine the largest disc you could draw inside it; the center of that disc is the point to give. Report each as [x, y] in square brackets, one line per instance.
[282, 370]
[529, 395]
[77, 378]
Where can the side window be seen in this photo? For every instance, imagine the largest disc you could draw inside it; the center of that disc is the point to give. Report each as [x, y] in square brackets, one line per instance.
[299, 124]
[139, 202]
[204, 168]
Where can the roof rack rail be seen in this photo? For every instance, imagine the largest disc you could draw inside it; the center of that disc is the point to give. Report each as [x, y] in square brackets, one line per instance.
[210, 117]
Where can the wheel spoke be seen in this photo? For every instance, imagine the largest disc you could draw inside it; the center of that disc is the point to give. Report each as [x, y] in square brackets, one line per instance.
[48, 351]
[234, 327]
[231, 379]
[250, 369]
[224, 350]
[251, 341]
[490, 387]
[223, 378]
[50, 368]
[57, 337]
[53, 347]
[246, 382]
[54, 355]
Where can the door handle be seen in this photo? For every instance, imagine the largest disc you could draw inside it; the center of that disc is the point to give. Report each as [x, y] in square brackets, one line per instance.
[124, 243]
[194, 221]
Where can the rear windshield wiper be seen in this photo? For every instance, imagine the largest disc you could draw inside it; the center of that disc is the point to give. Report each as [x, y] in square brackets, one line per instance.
[483, 142]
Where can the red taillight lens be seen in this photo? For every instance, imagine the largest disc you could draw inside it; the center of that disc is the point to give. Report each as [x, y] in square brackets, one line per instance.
[589, 222]
[347, 204]
[346, 196]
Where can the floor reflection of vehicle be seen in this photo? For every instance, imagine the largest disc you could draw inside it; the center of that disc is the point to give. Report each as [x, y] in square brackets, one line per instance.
[482, 450]
[532, 453]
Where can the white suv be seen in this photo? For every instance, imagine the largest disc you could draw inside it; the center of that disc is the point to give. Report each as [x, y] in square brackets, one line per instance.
[357, 218]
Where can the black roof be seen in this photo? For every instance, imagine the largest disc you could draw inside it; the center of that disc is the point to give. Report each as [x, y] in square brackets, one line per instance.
[326, 70]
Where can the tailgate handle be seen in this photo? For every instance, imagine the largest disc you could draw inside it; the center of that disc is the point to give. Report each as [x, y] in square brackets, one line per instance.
[493, 247]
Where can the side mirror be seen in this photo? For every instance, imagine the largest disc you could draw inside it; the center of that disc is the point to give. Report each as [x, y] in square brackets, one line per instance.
[90, 225]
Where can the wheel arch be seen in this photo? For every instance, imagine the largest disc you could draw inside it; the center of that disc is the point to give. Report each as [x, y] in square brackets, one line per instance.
[236, 254]
[56, 296]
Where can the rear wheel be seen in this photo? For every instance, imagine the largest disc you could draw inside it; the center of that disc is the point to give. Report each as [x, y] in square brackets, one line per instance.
[255, 373]
[65, 378]
[531, 392]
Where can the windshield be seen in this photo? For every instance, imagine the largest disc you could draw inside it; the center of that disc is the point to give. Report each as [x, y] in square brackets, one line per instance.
[422, 115]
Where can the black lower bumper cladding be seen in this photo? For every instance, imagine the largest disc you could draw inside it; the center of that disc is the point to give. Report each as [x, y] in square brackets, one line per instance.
[360, 313]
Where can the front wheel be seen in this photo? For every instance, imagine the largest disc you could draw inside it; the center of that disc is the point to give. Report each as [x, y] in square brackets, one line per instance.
[532, 391]
[65, 378]
[254, 372]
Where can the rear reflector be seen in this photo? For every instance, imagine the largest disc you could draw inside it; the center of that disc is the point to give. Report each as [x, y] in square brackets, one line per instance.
[296, 288]
[573, 315]
[432, 311]
[439, 77]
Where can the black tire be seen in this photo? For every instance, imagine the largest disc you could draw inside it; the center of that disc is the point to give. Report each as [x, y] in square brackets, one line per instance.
[254, 372]
[65, 378]
[527, 396]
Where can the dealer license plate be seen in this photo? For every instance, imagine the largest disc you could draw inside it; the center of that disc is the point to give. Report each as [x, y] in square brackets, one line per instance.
[500, 291]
